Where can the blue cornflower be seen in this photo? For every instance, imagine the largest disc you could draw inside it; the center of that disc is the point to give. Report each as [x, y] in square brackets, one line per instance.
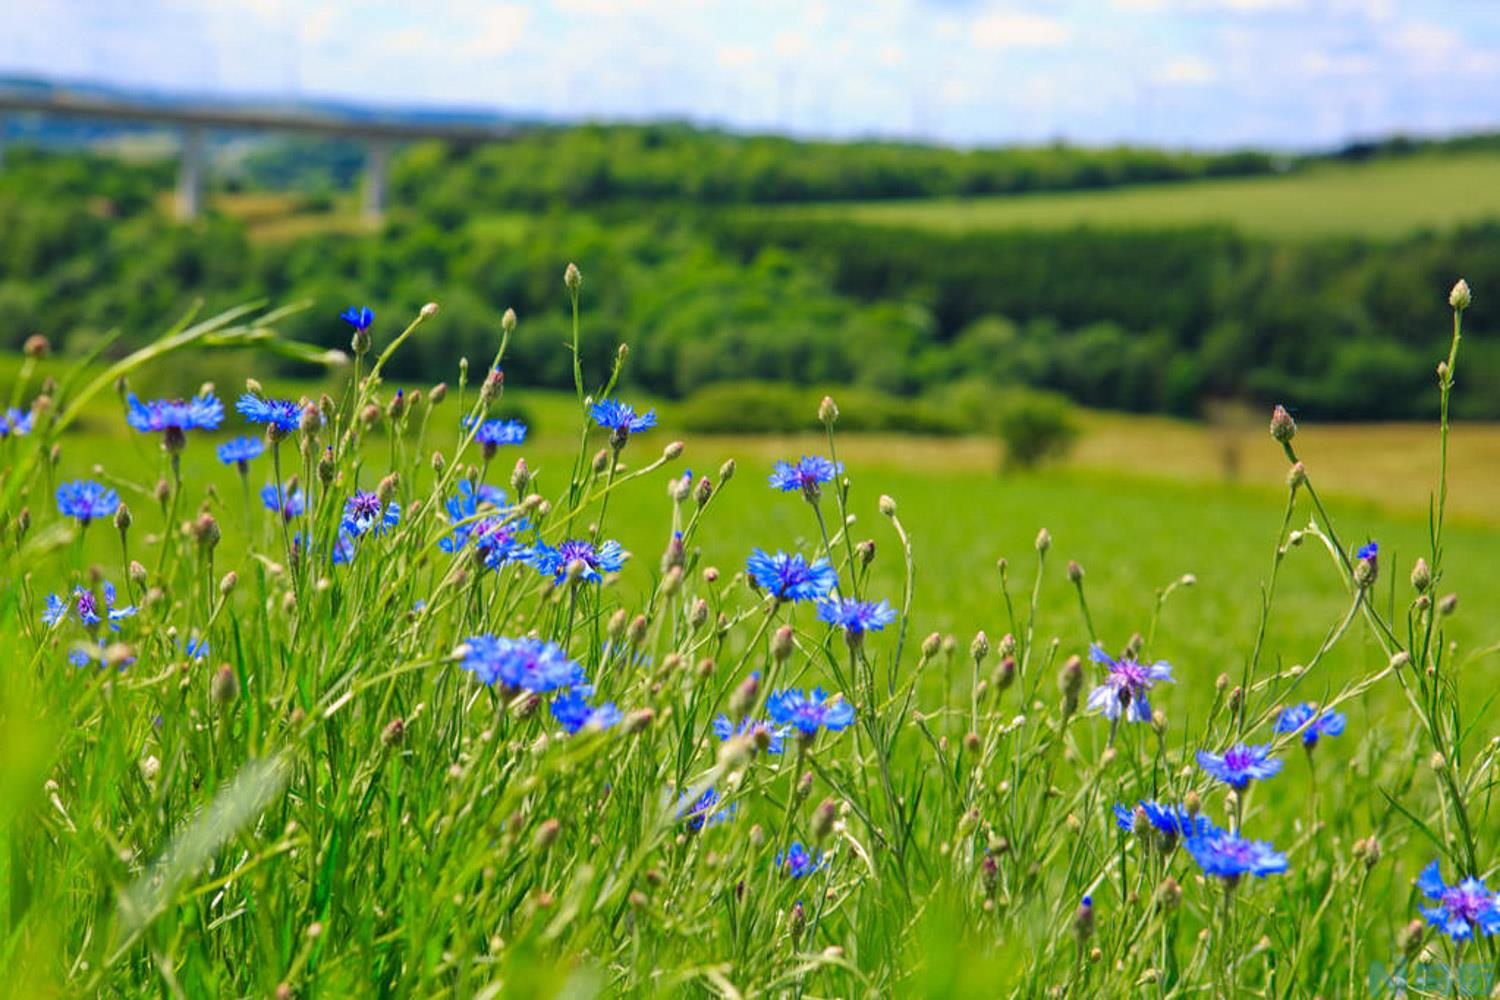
[239, 451]
[493, 433]
[724, 729]
[705, 810]
[1124, 688]
[91, 609]
[1170, 821]
[554, 562]
[175, 417]
[463, 508]
[791, 577]
[281, 416]
[809, 711]
[621, 419]
[196, 648]
[799, 861]
[1239, 764]
[359, 317]
[293, 505]
[573, 711]
[498, 539]
[363, 514]
[83, 654]
[526, 664]
[87, 500]
[1228, 855]
[1306, 714]
[807, 475]
[1369, 550]
[343, 547]
[856, 617]
[1461, 909]
[14, 421]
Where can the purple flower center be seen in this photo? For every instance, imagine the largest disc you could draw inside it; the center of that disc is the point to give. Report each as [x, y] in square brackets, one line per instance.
[364, 504]
[575, 549]
[1465, 903]
[1238, 758]
[88, 605]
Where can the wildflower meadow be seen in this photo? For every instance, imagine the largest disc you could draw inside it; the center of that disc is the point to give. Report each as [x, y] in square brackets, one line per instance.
[355, 693]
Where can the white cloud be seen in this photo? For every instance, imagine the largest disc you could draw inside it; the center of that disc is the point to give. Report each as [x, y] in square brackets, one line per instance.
[1187, 71]
[1018, 31]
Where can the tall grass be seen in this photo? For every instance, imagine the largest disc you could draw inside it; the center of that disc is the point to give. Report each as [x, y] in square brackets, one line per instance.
[354, 791]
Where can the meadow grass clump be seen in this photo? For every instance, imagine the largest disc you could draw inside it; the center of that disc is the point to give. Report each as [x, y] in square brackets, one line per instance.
[401, 716]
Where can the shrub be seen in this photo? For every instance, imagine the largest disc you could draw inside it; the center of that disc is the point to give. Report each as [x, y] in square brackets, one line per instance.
[1035, 426]
[774, 408]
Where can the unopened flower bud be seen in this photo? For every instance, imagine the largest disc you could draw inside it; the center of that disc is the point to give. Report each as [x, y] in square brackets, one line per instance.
[672, 451]
[508, 322]
[572, 278]
[636, 633]
[122, 519]
[1192, 803]
[225, 686]
[1447, 604]
[638, 720]
[546, 834]
[137, 573]
[37, 346]
[1169, 894]
[601, 461]
[1283, 427]
[394, 733]
[616, 626]
[228, 583]
[1043, 540]
[726, 471]
[437, 394]
[704, 491]
[828, 412]
[931, 646]
[1083, 919]
[980, 647]
[1004, 673]
[429, 310]
[206, 530]
[1296, 476]
[1075, 571]
[824, 816]
[1460, 297]
[1399, 659]
[698, 615]
[781, 643]
[1421, 576]
[971, 742]
[887, 505]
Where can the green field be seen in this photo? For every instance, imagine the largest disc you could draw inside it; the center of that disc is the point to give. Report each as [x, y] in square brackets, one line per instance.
[1384, 199]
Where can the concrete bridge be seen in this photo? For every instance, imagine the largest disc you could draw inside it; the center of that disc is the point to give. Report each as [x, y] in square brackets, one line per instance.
[193, 121]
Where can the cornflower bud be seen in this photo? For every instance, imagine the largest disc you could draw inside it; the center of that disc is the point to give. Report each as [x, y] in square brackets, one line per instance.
[980, 647]
[989, 875]
[367, 416]
[546, 834]
[742, 699]
[396, 408]
[228, 583]
[804, 783]
[616, 626]
[1043, 540]
[206, 531]
[726, 471]
[601, 462]
[698, 616]
[824, 817]
[672, 582]
[638, 720]
[394, 733]
[971, 742]
[520, 477]
[508, 321]
[439, 463]
[1459, 298]
[637, 631]
[225, 686]
[1192, 803]
[1400, 658]
[781, 643]
[137, 573]
[672, 451]
[1448, 604]
[887, 505]
[796, 923]
[1083, 919]
[1075, 571]
[1004, 673]
[865, 551]
[828, 412]
[1421, 576]
[1071, 681]
[494, 381]
[37, 346]
[572, 278]
[327, 469]
[437, 394]
[1169, 894]
[704, 491]
[429, 310]
[1283, 427]
[122, 519]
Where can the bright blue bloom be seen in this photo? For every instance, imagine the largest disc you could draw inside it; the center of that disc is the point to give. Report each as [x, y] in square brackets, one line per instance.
[807, 475]
[1462, 908]
[359, 317]
[554, 562]
[363, 514]
[724, 728]
[791, 577]
[808, 711]
[14, 421]
[88, 607]
[1125, 686]
[798, 861]
[239, 451]
[525, 664]
[573, 711]
[705, 810]
[281, 415]
[1228, 855]
[203, 412]
[1170, 821]
[464, 507]
[493, 433]
[295, 504]
[1294, 718]
[1239, 764]
[196, 648]
[498, 539]
[343, 547]
[856, 617]
[620, 418]
[87, 500]
[83, 655]
[1369, 550]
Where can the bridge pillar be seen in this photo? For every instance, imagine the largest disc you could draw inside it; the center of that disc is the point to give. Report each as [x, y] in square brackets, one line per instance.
[190, 174]
[377, 167]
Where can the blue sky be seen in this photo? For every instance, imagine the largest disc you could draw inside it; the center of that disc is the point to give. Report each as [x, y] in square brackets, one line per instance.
[1209, 73]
